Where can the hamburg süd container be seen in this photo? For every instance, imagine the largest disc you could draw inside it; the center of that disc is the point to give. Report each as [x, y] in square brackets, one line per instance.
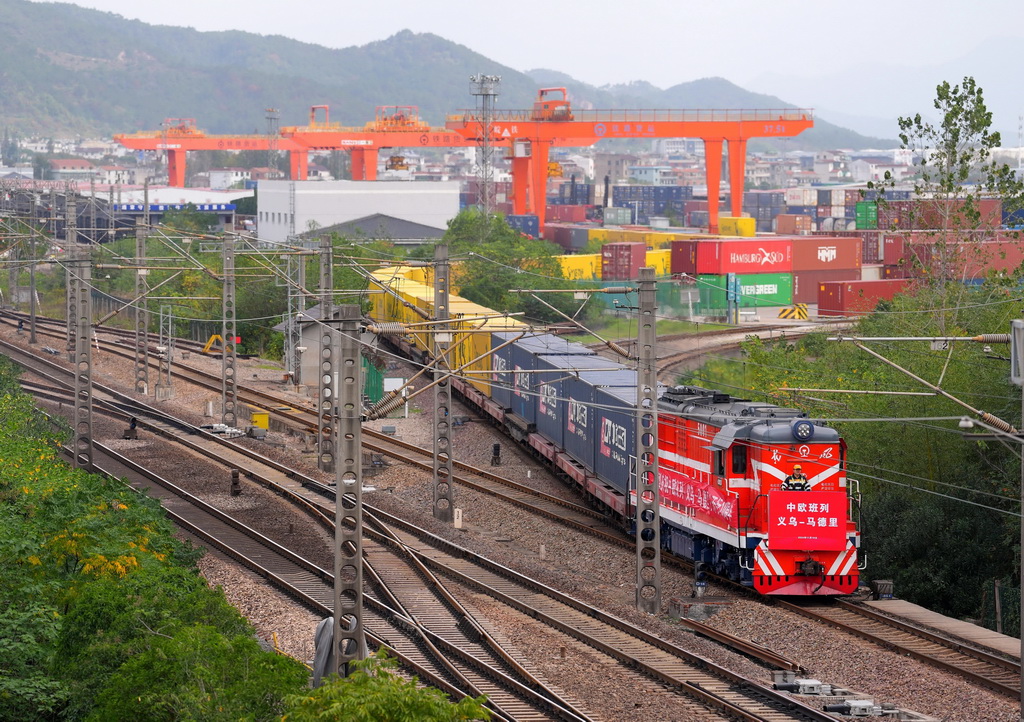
[761, 255]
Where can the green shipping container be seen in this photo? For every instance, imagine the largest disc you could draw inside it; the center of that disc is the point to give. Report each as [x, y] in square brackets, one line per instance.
[672, 297]
[866, 215]
[758, 291]
[373, 381]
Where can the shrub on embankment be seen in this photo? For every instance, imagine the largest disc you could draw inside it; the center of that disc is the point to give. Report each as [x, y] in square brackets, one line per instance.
[103, 614]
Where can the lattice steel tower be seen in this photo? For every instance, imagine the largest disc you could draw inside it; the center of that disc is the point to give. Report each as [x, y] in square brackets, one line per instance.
[485, 89]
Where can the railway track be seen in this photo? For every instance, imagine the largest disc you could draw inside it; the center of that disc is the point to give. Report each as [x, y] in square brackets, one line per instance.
[568, 513]
[984, 669]
[978, 665]
[668, 664]
[429, 655]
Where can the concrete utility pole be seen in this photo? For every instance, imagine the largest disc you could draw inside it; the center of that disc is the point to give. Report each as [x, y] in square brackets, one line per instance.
[648, 494]
[485, 88]
[70, 242]
[326, 428]
[295, 270]
[12, 275]
[32, 295]
[141, 312]
[82, 320]
[349, 634]
[442, 483]
[229, 393]
[164, 384]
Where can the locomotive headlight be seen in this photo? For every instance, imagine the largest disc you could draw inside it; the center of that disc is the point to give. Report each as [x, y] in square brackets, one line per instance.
[803, 430]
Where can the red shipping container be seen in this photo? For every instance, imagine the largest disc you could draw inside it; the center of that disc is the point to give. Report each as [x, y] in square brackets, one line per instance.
[853, 197]
[690, 206]
[851, 298]
[806, 283]
[790, 224]
[548, 234]
[824, 212]
[894, 248]
[622, 261]
[821, 253]
[931, 213]
[683, 257]
[762, 255]
[870, 251]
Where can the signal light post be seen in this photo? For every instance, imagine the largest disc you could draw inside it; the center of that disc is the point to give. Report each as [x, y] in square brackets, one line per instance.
[700, 578]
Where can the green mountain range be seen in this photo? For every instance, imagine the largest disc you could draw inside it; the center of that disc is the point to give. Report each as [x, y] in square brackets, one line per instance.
[67, 70]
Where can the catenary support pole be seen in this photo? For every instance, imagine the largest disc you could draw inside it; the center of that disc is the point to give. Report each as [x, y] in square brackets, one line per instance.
[349, 635]
[70, 242]
[229, 392]
[141, 312]
[83, 357]
[648, 495]
[326, 423]
[1017, 354]
[442, 481]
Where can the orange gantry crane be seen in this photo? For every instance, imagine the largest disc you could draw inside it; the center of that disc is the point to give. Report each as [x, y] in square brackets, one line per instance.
[180, 135]
[552, 121]
[394, 126]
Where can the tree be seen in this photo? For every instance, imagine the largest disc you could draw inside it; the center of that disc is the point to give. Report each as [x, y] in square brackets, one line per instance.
[191, 220]
[495, 258]
[199, 674]
[374, 693]
[10, 153]
[956, 183]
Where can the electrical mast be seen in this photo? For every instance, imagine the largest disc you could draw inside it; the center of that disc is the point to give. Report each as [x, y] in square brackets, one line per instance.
[485, 89]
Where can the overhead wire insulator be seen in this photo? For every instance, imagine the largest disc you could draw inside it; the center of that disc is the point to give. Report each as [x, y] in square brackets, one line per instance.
[388, 328]
[993, 338]
[997, 422]
[391, 402]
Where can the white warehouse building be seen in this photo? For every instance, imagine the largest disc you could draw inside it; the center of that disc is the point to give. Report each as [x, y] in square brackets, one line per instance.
[317, 204]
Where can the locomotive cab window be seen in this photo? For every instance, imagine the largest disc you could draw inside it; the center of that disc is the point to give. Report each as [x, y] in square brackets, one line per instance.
[718, 460]
[739, 459]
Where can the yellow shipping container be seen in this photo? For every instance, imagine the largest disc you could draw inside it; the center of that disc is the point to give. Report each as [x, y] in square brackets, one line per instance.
[581, 267]
[661, 260]
[732, 226]
[660, 240]
[597, 234]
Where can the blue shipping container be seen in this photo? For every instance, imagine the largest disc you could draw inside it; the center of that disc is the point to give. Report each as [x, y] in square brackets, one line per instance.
[527, 224]
[522, 362]
[615, 435]
[553, 373]
[580, 440]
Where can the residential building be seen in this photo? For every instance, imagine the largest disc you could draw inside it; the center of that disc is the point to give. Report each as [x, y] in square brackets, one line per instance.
[71, 169]
[224, 178]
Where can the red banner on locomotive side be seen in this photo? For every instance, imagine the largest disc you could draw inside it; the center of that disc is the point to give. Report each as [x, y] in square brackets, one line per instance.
[681, 490]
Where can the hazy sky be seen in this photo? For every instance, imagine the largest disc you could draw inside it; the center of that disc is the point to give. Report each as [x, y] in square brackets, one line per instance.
[600, 41]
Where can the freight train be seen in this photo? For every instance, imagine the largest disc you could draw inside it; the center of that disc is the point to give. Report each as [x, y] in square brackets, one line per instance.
[722, 463]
